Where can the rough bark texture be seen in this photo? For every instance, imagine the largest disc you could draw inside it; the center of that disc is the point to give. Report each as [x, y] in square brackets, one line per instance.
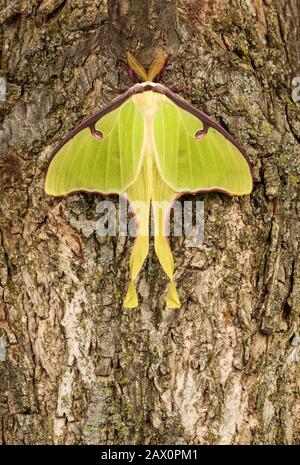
[142, 27]
[75, 366]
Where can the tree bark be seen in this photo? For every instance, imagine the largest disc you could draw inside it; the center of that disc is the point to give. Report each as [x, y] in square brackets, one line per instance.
[142, 27]
[75, 366]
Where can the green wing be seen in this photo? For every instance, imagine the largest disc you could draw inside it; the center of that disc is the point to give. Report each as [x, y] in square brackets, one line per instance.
[107, 165]
[211, 162]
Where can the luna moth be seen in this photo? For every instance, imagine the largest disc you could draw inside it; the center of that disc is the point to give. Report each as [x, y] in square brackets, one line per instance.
[151, 146]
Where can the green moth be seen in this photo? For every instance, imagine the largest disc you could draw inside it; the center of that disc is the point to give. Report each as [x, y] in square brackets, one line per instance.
[151, 146]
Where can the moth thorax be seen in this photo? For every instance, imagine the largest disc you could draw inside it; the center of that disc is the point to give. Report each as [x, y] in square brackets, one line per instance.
[148, 101]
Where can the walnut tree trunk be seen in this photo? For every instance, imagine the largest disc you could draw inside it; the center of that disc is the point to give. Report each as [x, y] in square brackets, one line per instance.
[75, 366]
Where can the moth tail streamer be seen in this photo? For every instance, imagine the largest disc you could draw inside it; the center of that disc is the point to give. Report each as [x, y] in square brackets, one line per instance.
[131, 299]
[165, 257]
[163, 250]
[172, 299]
[137, 258]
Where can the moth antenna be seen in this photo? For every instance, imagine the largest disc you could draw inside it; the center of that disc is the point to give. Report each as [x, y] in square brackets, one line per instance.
[163, 70]
[157, 65]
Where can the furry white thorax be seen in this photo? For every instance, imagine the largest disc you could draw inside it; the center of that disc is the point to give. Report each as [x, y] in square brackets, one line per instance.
[148, 101]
